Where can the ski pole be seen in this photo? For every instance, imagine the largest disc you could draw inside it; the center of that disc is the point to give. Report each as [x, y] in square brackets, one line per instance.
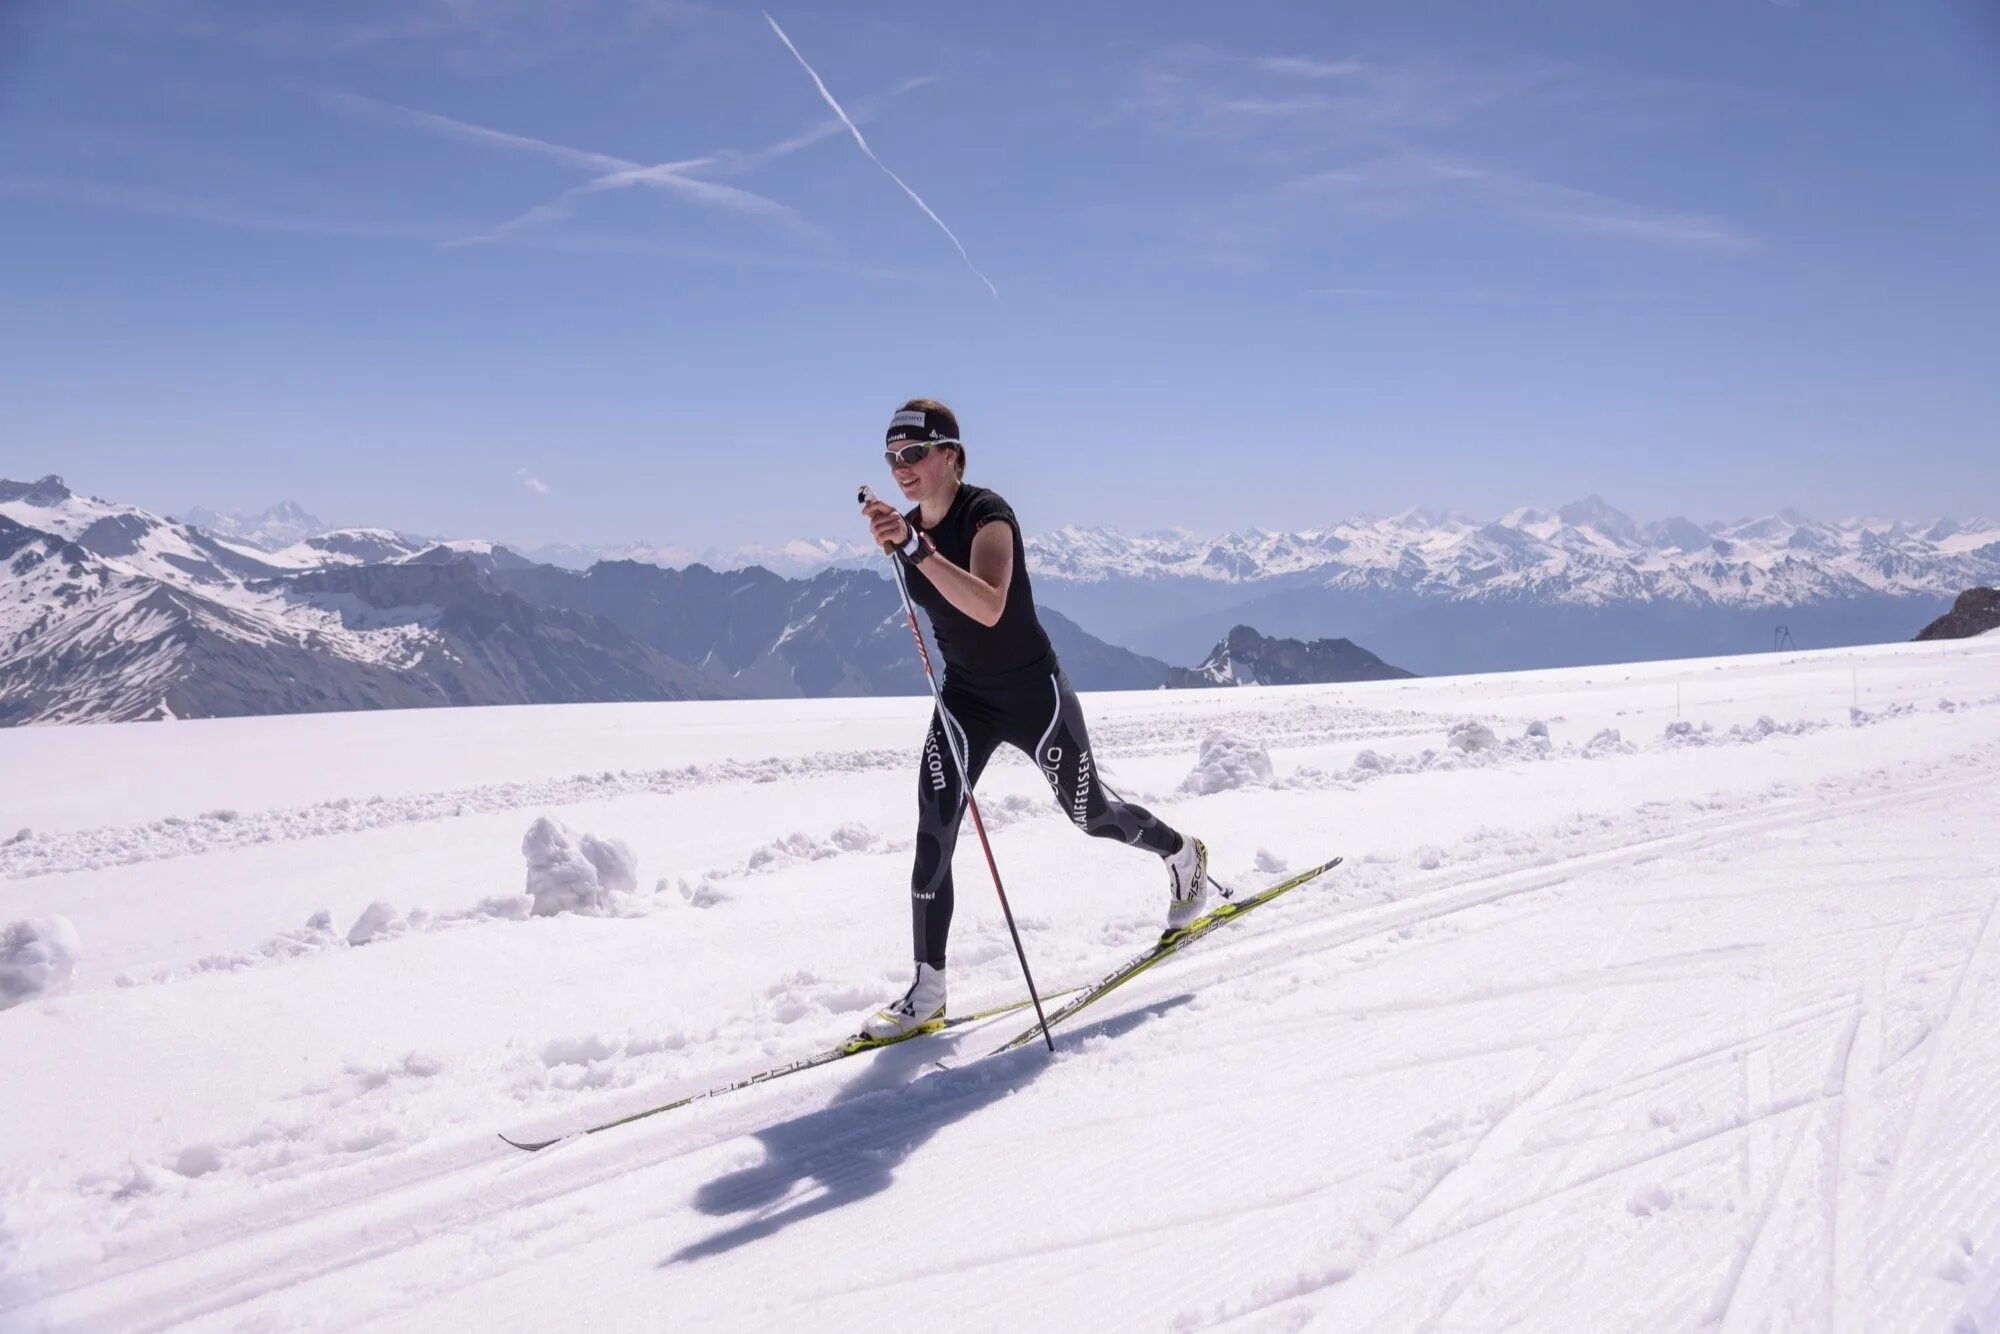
[866, 495]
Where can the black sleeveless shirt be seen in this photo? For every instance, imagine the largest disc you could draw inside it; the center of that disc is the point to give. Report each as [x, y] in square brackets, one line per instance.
[1013, 647]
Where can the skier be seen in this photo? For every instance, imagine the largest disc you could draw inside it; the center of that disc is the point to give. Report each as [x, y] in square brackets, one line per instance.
[962, 548]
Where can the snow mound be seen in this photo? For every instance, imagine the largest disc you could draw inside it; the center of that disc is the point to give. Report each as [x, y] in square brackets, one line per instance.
[1608, 742]
[379, 919]
[1228, 761]
[573, 873]
[794, 847]
[1469, 737]
[1684, 733]
[37, 956]
[702, 895]
[616, 865]
[855, 837]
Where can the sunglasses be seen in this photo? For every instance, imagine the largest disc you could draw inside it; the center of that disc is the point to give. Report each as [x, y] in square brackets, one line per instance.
[909, 456]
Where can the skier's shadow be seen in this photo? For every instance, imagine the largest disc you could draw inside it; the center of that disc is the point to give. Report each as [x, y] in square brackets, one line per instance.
[852, 1147]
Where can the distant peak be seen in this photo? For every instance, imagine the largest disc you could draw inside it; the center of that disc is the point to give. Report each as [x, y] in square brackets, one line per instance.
[49, 490]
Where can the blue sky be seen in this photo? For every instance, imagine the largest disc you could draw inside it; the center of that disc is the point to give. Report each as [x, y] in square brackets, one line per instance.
[598, 271]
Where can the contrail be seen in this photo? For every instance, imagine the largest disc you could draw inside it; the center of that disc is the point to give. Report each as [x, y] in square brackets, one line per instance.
[856, 132]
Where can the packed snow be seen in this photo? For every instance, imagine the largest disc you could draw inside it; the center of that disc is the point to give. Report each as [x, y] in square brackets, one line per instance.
[36, 956]
[1649, 997]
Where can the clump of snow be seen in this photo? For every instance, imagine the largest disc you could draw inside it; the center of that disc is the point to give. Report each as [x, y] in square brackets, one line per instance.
[703, 895]
[1684, 733]
[616, 864]
[855, 837]
[560, 877]
[19, 838]
[573, 873]
[377, 920]
[579, 1050]
[999, 812]
[37, 956]
[198, 1160]
[1228, 761]
[795, 847]
[1430, 858]
[1536, 736]
[1607, 742]
[1649, 1200]
[1470, 736]
[509, 907]
[1270, 863]
[317, 934]
[1863, 717]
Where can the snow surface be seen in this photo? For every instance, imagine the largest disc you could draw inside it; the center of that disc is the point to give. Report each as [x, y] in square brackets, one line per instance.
[1650, 997]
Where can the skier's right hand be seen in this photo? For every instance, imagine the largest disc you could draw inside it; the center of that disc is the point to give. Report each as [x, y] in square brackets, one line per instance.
[885, 524]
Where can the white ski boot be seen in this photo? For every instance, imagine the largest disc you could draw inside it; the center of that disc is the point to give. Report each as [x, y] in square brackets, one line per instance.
[921, 1010]
[1187, 876]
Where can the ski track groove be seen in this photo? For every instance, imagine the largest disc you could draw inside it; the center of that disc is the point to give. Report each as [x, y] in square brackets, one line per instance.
[1858, 1052]
[1750, 1042]
[1389, 1243]
[1938, 1041]
[1723, 1310]
[371, 1237]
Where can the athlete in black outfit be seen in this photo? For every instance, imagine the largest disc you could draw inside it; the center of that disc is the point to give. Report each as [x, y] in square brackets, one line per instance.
[966, 568]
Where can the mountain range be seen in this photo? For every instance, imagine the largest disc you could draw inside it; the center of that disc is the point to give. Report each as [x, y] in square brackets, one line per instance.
[1585, 583]
[110, 613]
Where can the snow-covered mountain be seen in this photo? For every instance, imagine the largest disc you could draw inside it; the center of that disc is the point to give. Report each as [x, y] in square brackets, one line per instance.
[110, 613]
[275, 529]
[1586, 553]
[1432, 592]
[1444, 592]
[796, 559]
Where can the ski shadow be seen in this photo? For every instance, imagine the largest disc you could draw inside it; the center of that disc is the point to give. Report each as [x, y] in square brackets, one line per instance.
[852, 1147]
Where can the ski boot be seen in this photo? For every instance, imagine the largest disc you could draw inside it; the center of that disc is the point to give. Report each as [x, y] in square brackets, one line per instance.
[921, 1010]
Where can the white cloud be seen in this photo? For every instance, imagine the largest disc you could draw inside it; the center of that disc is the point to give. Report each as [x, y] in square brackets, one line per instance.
[1406, 183]
[372, 109]
[855, 130]
[613, 173]
[216, 211]
[532, 483]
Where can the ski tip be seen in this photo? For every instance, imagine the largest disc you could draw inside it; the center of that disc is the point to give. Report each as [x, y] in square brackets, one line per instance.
[530, 1146]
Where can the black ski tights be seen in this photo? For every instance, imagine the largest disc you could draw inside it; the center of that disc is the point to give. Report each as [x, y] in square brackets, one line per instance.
[1041, 717]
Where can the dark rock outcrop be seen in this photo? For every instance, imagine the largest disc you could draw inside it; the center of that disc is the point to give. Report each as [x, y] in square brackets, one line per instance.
[1976, 612]
[1245, 657]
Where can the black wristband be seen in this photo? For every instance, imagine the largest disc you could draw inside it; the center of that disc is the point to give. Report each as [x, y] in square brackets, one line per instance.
[916, 551]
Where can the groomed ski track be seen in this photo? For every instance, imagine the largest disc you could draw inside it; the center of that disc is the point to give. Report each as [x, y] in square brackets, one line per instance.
[1730, 1062]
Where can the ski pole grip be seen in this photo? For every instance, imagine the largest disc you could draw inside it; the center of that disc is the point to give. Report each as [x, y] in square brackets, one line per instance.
[866, 496]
